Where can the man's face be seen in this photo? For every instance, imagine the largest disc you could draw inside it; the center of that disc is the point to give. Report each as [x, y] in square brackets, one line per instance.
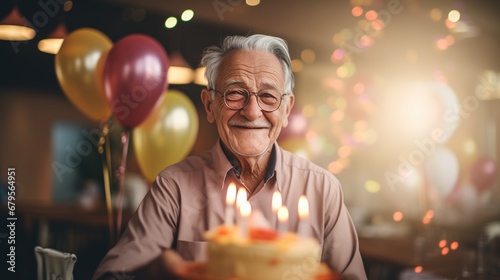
[250, 131]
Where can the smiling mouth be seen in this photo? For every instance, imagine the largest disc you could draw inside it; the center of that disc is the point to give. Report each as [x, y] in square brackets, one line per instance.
[250, 127]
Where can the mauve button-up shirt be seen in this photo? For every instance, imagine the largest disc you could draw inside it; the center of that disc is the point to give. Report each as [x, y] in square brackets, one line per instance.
[188, 198]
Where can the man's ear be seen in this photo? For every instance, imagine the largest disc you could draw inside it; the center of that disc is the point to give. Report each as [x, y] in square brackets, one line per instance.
[206, 98]
[288, 109]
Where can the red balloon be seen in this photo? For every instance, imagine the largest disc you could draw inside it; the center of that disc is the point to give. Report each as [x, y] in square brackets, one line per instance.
[135, 76]
[483, 173]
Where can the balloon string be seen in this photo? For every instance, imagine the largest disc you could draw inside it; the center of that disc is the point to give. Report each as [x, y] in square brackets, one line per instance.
[120, 173]
[106, 163]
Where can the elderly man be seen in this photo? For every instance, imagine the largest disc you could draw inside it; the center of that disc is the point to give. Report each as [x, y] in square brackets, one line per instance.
[249, 97]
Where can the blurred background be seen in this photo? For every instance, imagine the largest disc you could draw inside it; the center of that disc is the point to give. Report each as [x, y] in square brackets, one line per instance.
[399, 99]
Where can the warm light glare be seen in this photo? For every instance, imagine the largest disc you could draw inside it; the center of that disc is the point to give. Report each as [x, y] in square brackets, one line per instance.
[245, 209]
[231, 194]
[454, 245]
[241, 197]
[454, 16]
[303, 207]
[397, 216]
[418, 269]
[283, 214]
[171, 22]
[187, 15]
[276, 201]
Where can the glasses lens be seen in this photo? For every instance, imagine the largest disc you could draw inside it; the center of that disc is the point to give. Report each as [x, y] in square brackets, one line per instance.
[237, 98]
[269, 100]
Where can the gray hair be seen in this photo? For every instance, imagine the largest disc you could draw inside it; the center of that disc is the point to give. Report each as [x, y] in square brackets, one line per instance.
[212, 56]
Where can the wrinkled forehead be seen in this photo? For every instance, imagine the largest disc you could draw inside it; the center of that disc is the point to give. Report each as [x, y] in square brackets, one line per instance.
[250, 68]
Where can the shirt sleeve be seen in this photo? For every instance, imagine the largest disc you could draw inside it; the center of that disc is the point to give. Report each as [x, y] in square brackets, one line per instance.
[149, 232]
[341, 246]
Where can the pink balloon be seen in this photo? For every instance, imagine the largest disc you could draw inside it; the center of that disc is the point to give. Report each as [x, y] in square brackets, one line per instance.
[483, 174]
[135, 76]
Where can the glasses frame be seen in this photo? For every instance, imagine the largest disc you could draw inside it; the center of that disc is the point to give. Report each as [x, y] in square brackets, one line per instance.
[256, 93]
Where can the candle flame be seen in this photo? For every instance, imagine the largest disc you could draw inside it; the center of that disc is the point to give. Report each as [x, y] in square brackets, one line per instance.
[276, 203]
[283, 214]
[231, 194]
[241, 197]
[303, 207]
[245, 209]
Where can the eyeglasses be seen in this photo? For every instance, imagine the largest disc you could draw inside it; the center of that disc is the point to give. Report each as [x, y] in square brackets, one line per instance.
[269, 100]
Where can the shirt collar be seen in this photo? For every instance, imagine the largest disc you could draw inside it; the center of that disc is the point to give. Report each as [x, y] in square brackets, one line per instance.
[237, 166]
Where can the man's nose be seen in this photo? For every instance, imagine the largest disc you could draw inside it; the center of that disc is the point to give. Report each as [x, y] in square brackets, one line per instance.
[252, 110]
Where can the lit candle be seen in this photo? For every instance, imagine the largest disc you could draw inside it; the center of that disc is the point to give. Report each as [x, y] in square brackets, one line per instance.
[303, 230]
[245, 211]
[230, 198]
[283, 219]
[276, 204]
[240, 198]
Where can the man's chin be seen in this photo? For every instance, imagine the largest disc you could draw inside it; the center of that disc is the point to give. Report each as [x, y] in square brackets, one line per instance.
[249, 151]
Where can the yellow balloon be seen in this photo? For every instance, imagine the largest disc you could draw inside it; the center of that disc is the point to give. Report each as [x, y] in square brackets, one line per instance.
[76, 64]
[167, 135]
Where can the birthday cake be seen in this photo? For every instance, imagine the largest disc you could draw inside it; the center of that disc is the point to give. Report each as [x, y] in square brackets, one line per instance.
[262, 254]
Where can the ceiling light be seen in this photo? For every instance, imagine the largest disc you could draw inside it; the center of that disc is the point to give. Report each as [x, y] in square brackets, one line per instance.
[179, 72]
[53, 42]
[14, 28]
[199, 76]
[187, 15]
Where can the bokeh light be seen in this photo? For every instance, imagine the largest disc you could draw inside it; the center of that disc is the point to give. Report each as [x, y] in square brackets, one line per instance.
[297, 65]
[397, 216]
[335, 167]
[308, 56]
[372, 186]
[454, 16]
[418, 269]
[357, 11]
[442, 243]
[436, 14]
[371, 15]
[171, 22]
[187, 15]
[445, 251]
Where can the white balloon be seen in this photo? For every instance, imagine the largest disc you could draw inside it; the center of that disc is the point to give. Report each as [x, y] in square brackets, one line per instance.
[442, 170]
